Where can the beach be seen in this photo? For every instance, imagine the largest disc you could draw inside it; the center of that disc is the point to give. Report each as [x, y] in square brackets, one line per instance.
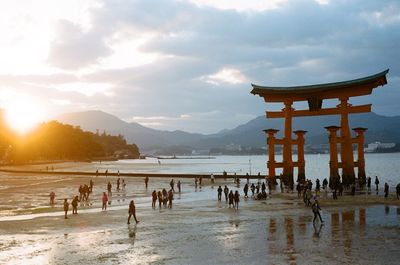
[197, 230]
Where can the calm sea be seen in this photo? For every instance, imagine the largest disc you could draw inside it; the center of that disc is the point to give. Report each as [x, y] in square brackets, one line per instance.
[385, 166]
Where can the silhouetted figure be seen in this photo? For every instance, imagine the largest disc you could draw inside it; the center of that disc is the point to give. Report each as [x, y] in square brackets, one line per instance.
[91, 184]
[298, 188]
[123, 185]
[252, 188]
[263, 187]
[118, 183]
[324, 184]
[172, 184]
[200, 180]
[146, 181]
[246, 190]
[377, 184]
[230, 197]
[154, 199]
[247, 178]
[398, 191]
[195, 183]
[106, 172]
[369, 183]
[315, 208]
[109, 186]
[66, 206]
[74, 204]
[179, 186]
[132, 212]
[219, 190]
[52, 195]
[340, 189]
[170, 198]
[317, 185]
[236, 199]
[104, 200]
[226, 191]
[160, 199]
[165, 197]
[386, 190]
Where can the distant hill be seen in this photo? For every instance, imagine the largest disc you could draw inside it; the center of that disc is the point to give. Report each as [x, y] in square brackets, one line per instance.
[146, 138]
[380, 128]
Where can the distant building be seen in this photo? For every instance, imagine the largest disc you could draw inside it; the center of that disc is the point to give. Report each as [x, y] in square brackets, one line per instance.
[372, 147]
[233, 147]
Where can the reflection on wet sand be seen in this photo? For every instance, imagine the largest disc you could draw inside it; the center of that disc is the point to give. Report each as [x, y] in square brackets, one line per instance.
[347, 229]
[290, 250]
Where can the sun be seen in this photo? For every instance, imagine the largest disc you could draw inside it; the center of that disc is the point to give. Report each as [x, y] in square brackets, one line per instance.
[22, 115]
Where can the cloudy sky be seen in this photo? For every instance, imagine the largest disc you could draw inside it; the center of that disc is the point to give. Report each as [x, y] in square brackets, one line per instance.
[188, 64]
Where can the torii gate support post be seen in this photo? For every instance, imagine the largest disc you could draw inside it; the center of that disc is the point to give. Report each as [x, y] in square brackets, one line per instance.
[270, 133]
[287, 146]
[301, 176]
[334, 178]
[346, 147]
[360, 157]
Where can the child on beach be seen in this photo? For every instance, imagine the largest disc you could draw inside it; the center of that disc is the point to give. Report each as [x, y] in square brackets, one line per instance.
[66, 206]
[132, 212]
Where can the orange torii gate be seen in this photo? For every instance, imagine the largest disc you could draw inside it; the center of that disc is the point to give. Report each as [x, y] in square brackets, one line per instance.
[314, 95]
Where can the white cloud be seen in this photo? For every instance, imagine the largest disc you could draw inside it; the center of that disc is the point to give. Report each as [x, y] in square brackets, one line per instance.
[87, 89]
[240, 5]
[226, 75]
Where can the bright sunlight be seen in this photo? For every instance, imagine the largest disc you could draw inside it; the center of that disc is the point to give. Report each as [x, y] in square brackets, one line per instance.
[23, 114]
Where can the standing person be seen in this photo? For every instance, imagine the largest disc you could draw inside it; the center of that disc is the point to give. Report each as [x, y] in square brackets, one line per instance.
[298, 188]
[179, 186]
[172, 184]
[212, 178]
[230, 197]
[236, 200]
[146, 181]
[386, 190]
[376, 183]
[200, 179]
[160, 199]
[170, 198]
[263, 188]
[132, 212]
[247, 178]
[91, 184]
[245, 190]
[66, 206]
[109, 186]
[219, 190]
[252, 188]
[226, 191]
[369, 183]
[324, 184]
[123, 184]
[165, 197]
[195, 183]
[74, 204]
[104, 200]
[118, 182]
[315, 208]
[52, 195]
[154, 199]
[106, 172]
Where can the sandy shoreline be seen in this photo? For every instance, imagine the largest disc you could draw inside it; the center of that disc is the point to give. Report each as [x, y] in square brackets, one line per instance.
[358, 230]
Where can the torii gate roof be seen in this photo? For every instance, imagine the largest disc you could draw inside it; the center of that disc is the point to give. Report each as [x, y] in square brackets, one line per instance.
[316, 93]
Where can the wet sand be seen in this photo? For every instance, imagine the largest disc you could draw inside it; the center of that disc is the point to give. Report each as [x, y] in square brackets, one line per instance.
[197, 230]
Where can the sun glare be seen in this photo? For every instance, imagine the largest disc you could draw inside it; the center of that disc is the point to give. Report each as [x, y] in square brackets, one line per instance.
[22, 115]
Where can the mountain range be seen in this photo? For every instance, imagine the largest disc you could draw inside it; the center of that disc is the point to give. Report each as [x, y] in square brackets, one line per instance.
[380, 128]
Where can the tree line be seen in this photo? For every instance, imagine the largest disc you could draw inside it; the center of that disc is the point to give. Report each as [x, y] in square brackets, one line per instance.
[56, 141]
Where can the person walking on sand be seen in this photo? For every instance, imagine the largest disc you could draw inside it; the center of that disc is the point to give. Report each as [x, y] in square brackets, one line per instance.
[146, 181]
[109, 186]
[226, 191]
[165, 197]
[160, 199]
[230, 197]
[179, 186]
[376, 183]
[219, 190]
[66, 206]
[245, 190]
[315, 208]
[74, 204]
[52, 195]
[170, 198]
[118, 182]
[386, 190]
[123, 185]
[172, 185]
[252, 188]
[132, 212]
[104, 200]
[236, 200]
[154, 199]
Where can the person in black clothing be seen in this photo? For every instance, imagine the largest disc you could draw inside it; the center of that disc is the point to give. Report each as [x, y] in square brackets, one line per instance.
[154, 199]
[172, 184]
[245, 190]
[132, 212]
[219, 190]
[315, 208]
[317, 185]
[179, 186]
[226, 191]
[376, 183]
[146, 181]
[324, 184]
[230, 197]
[236, 200]
[386, 190]
[263, 188]
[252, 188]
[118, 182]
